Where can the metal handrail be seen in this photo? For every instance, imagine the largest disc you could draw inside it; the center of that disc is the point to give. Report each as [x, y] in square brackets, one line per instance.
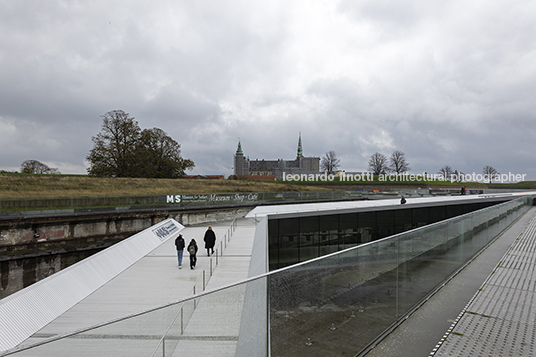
[230, 231]
[224, 287]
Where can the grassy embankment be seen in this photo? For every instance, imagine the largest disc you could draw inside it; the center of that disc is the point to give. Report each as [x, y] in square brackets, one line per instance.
[31, 187]
[47, 186]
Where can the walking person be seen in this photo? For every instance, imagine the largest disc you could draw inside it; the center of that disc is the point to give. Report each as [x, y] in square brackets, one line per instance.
[192, 249]
[180, 244]
[210, 240]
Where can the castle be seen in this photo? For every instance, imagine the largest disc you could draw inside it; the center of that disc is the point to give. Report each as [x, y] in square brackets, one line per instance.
[301, 165]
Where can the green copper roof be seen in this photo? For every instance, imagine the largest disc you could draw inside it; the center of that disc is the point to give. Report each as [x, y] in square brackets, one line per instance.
[239, 150]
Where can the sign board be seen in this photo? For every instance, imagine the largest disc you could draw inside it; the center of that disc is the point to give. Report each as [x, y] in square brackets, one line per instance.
[214, 197]
[165, 230]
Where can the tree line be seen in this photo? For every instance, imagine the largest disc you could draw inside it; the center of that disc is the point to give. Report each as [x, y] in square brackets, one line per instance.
[379, 164]
[488, 172]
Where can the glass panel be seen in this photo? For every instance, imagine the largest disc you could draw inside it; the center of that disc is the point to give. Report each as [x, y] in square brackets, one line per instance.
[385, 221]
[229, 322]
[329, 234]
[366, 227]
[403, 220]
[453, 211]
[421, 217]
[335, 305]
[273, 243]
[348, 230]
[309, 246]
[437, 214]
[288, 241]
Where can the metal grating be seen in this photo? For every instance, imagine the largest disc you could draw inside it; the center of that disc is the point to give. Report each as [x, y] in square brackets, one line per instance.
[500, 319]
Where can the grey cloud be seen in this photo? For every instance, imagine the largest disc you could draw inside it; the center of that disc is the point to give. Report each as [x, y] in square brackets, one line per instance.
[446, 83]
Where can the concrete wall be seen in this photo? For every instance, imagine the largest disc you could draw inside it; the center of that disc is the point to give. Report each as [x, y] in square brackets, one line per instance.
[34, 248]
[16, 274]
[22, 231]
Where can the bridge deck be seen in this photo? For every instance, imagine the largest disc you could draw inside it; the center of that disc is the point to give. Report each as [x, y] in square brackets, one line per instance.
[156, 279]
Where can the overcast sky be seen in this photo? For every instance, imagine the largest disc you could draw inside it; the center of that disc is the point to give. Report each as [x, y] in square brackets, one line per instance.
[445, 82]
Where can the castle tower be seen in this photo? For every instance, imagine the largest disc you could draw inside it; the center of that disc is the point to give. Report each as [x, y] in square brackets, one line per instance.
[240, 162]
[300, 150]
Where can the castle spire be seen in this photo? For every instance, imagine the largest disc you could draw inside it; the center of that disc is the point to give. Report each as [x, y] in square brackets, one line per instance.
[239, 149]
[300, 150]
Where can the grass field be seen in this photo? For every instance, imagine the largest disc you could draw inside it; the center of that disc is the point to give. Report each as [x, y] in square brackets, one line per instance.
[40, 186]
[24, 185]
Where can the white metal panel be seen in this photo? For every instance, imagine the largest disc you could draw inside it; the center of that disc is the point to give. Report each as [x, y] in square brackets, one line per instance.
[28, 310]
[261, 211]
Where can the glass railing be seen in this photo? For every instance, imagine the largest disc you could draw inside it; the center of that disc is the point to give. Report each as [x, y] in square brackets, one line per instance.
[333, 305]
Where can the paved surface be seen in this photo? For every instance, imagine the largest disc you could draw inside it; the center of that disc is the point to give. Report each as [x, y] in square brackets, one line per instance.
[163, 282]
[425, 332]
[500, 319]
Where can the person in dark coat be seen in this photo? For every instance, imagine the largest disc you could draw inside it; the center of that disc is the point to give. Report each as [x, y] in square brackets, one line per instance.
[210, 240]
[180, 244]
[402, 200]
[192, 249]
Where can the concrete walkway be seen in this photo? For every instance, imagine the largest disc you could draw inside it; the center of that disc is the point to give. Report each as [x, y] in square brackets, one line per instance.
[154, 280]
[500, 319]
[426, 331]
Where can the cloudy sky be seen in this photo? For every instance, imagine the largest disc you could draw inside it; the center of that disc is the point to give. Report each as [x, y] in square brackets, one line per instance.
[447, 83]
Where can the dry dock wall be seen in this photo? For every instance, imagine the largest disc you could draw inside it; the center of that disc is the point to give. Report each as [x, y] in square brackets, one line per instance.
[33, 248]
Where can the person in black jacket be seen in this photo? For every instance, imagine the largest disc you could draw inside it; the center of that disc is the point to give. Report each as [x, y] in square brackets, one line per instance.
[192, 249]
[210, 240]
[180, 244]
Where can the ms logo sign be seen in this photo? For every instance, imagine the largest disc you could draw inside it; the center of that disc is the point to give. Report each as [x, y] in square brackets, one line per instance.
[165, 230]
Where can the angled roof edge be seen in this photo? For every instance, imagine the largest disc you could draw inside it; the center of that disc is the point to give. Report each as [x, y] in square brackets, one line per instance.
[30, 309]
[304, 209]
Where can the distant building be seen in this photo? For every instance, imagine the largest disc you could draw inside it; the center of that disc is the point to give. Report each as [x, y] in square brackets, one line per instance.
[205, 177]
[301, 165]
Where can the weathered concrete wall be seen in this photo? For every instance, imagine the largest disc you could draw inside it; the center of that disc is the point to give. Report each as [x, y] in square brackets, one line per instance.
[34, 248]
[61, 228]
[39, 229]
[16, 274]
[193, 218]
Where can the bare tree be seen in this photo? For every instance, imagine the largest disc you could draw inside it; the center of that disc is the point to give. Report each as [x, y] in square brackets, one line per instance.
[37, 167]
[378, 164]
[330, 163]
[489, 172]
[458, 176]
[398, 163]
[446, 171]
